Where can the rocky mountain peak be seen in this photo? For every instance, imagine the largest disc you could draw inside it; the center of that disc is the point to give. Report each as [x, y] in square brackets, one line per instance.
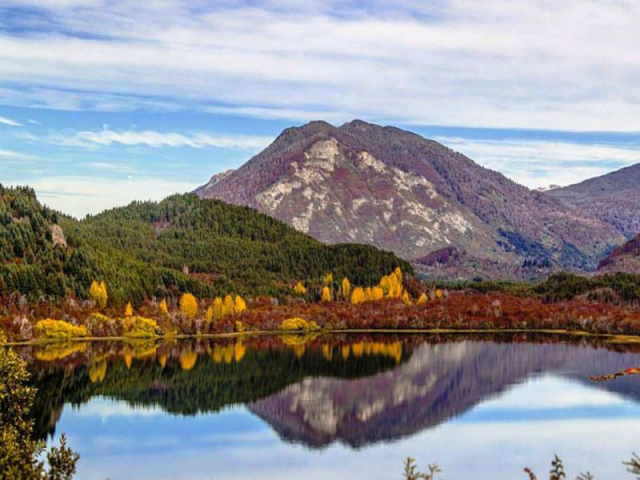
[393, 189]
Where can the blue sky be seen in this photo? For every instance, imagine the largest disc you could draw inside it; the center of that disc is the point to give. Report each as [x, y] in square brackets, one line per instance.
[106, 101]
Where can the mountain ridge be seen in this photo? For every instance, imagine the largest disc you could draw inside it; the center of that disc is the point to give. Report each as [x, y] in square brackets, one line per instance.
[613, 198]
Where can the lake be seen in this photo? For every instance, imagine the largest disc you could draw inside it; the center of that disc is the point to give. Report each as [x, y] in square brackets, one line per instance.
[340, 406]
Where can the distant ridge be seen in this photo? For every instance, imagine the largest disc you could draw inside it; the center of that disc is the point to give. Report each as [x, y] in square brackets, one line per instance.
[613, 198]
[625, 258]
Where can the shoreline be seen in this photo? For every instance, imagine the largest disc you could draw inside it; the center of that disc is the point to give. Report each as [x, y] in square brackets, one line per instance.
[612, 338]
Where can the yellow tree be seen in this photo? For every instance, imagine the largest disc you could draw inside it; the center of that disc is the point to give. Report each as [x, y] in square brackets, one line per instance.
[209, 315]
[240, 304]
[104, 295]
[98, 293]
[423, 299]
[405, 297]
[162, 308]
[368, 294]
[346, 288]
[357, 296]
[189, 305]
[398, 273]
[229, 305]
[95, 291]
[218, 309]
[326, 294]
[128, 310]
[328, 279]
[385, 284]
[300, 289]
[378, 293]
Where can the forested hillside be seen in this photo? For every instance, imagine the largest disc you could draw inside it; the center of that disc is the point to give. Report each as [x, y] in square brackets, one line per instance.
[151, 249]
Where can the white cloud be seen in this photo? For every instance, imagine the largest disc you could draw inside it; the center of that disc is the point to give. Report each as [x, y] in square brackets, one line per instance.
[11, 155]
[154, 139]
[557, 65]
[78, 196]
[537, 163]
[10, 122]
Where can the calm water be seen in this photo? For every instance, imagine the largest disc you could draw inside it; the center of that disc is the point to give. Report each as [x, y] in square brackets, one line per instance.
[339, 407]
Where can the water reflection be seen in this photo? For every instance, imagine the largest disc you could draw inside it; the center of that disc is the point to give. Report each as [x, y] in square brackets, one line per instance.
[356, 390]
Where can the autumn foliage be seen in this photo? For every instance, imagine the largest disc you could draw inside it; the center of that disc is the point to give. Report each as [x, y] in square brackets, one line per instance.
[188, 305]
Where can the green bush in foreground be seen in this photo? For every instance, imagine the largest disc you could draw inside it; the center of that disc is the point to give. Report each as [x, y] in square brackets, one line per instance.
[19, 453]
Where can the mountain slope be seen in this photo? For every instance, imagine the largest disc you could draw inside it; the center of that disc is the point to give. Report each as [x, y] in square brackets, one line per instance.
[625, 258]
[613, 198]
[396, 190]
[180, 244]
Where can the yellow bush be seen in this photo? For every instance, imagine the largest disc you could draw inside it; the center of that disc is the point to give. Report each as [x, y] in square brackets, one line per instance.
[295, 323]
[189, 305]
[140, 327]
[58, 329]
[439, 293]
[239, 326]
[300, 289]
[328, 279]
[128, 310]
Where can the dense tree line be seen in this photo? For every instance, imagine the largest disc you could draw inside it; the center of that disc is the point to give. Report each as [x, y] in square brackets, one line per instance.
[182, 244]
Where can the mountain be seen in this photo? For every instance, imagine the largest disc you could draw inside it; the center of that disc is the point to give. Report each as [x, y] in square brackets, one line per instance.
[625, 258]
[181, 244]
[613, 198]
[398, 191]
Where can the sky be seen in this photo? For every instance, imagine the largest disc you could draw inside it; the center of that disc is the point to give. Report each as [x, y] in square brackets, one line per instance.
[107, 101]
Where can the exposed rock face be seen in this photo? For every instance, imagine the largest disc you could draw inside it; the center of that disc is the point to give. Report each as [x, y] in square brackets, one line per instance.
[57, 236]
[625, 258]
[437, 383]
[398, 191]
[613, 198]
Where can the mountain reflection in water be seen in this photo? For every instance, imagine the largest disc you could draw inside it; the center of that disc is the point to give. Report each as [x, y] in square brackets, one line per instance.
[357, 390]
